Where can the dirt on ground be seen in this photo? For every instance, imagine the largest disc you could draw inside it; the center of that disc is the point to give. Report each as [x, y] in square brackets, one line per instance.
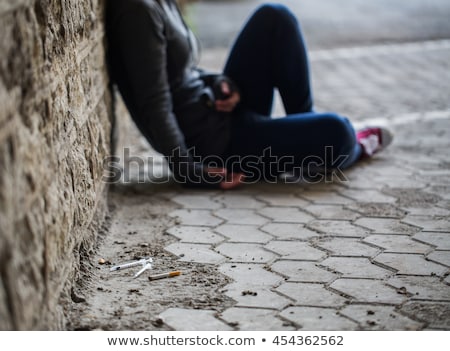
[104, 300]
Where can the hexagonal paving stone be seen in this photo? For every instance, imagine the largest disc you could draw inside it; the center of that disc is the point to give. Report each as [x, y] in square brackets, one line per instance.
[286, 214]
[242, 201]
[252, 319]
[435, 314]
[293, 250]
[307, 294]
[400, 181]
[326, 198]
[368, 290]
[245, 253]
[356, 267]
[386, 226]
[422, 288]
[441, 257]
[397, 243]
[440, 240]
[199, 201]
[303, 272]
[243, 233]
[195, 217]
[331, 212]
[199, 235]
[347, 247]
[442, 190]
[338, 228]
[372, 317]
[363, 181]
[195, 253]
[429, 223]
[427, 212]
[286, 231]
[410, 264]
[314, 318]
[373, 196]
[238, 216]
[378, 210]
[181, 319]
[283, 200]
[247, 295]
[253, 274]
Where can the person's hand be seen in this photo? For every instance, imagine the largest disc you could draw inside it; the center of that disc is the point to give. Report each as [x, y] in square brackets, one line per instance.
[231, 180]
[232, 98]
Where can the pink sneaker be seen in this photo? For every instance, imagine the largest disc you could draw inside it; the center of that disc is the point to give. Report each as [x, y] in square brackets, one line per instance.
[373, 139]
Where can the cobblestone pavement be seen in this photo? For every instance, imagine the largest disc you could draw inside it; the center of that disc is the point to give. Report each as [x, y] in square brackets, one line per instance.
[368, 253]
[371, 252]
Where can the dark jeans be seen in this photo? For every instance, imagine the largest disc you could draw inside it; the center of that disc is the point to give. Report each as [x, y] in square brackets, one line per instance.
[270, 53]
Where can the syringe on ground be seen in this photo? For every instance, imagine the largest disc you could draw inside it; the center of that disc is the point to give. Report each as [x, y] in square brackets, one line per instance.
[142, 262]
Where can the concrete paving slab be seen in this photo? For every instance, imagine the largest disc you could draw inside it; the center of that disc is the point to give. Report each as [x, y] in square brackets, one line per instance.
[299, 271]
[398, 244]
[440, 240]
[314, 318]
[195, 217]
[196, 202]
[241, 216]
[367, 290]
[410, 264]
[422, 288]
[331, 212]
[434, 315]
[245, 253]
[373, 196]
[254, 274]
[289, 231]
[369, 209]
[338, 228]
[428, 223]
[386, 226]
[247, 295]
[286, 214]
[193, 320]
[199, 253]
[198, 235]
[252, 319]
[281, 200]
[441, 257]
[308, 294]
[356, 267]
[347, 247]
[291, 250]
[383, 318]
[244, 234]
[240, 201]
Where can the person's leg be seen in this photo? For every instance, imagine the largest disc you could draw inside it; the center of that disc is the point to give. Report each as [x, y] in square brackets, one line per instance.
[270, 52]
[325, 140]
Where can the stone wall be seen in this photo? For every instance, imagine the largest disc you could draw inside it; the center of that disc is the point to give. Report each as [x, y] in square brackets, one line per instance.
[55, 123]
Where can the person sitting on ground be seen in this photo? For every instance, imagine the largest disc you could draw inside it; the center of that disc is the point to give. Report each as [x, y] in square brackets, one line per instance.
[216, 130]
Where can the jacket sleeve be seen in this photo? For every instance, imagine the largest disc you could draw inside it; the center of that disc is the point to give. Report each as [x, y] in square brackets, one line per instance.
[141, 43]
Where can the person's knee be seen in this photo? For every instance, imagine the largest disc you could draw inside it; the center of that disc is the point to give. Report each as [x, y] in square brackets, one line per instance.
[343, 140]
[276, 12]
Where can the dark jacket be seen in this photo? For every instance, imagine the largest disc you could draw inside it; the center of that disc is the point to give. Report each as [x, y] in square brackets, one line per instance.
[152, 57]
